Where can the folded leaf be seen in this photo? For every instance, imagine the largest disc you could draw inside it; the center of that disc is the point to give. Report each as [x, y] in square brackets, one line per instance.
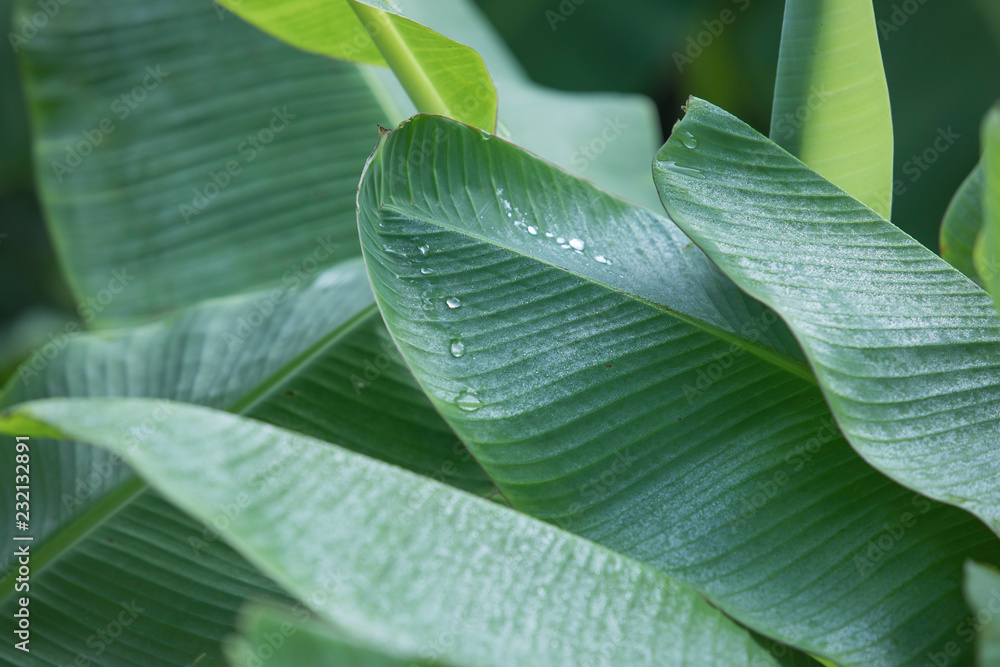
[400, 561]
[612, 381]
[831, 101]
[903, 345]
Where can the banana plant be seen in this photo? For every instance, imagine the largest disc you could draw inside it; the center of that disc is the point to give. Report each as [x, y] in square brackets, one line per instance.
[483, 398]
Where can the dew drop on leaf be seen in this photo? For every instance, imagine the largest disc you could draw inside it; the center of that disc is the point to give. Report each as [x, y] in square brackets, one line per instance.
[453, 302]
[686, 171]
[468, 401]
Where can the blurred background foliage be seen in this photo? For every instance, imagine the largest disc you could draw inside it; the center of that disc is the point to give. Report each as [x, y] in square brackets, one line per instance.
[942, 62]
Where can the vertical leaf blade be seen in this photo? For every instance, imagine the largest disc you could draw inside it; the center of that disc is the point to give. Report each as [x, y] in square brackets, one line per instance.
[831, 101]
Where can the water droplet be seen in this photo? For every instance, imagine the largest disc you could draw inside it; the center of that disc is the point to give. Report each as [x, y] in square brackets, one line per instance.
[549, 235]
[453, 302]
[532, 230]
[577, 244]
[424, 249]
[602, 259]
[457, 348]
[426, 271]
[686, 171]
[468, 401]
[560, 240]
[689, 140]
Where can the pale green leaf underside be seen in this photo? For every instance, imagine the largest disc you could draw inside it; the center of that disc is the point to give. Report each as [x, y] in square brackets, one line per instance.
[154, 196]
[982, 590]
[397, 560]
[987, 248]
[831, 102]
[961, 225]
[645, 403]
[440, 75]
[321, 363]
[904, 346]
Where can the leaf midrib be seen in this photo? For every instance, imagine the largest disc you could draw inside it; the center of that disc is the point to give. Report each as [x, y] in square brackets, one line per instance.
[83, 524]
[797, 368]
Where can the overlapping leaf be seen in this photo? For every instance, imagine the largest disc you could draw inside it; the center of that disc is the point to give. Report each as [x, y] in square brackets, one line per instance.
[612, 381]
[316, 359]
[982, 589]
[440, 75]
[604, 137]
[181, 146]
[987, 247]
[904, 346]
[962, 222]
[831, 101]
[402, 562]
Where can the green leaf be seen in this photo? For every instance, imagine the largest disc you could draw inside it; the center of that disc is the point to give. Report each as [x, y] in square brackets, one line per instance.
[962, 222]
[903, 345]
[315, 359]
[294, 638]
[612, 381]
[982, 590]
[606, 137]
[400, 561]
[831, 101]
[227, 162]
[441, 76]
[987, 247]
